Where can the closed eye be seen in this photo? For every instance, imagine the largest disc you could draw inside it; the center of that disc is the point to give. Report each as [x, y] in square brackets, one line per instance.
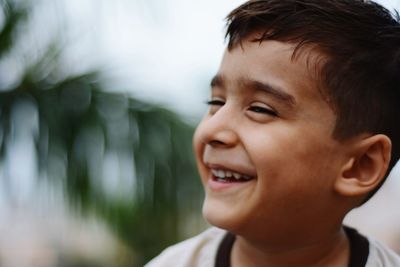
[263, 110]
[215, 102]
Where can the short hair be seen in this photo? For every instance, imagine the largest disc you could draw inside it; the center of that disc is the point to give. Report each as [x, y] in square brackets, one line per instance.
[360, 43]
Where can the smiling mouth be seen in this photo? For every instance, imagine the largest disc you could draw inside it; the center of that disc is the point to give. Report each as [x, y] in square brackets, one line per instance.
[225, 176]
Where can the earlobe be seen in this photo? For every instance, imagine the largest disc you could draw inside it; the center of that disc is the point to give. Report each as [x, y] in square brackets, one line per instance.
[366, 167]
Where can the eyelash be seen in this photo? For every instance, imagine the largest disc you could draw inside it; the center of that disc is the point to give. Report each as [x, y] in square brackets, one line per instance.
[215, 102]
[262, 110]
[256, 109]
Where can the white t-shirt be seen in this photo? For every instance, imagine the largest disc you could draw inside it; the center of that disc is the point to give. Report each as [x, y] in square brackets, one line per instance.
[201, 251]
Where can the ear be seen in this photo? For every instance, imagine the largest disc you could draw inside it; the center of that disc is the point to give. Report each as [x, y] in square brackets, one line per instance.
[366, 167]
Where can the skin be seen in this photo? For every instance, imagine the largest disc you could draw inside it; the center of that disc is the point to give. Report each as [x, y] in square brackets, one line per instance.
[267, 120]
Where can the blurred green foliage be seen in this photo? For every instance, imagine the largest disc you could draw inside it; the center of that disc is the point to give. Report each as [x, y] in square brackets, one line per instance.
[128, 161]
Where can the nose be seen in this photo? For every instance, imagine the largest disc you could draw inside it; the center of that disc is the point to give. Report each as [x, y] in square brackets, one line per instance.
[219, 129]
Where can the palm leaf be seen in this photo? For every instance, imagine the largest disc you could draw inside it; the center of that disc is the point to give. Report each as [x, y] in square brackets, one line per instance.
[128, 161]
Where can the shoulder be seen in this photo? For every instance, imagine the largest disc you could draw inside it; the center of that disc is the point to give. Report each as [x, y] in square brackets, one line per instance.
[198, 251]
[381, 255]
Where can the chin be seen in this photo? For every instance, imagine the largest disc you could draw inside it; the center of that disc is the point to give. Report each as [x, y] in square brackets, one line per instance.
[220, 216]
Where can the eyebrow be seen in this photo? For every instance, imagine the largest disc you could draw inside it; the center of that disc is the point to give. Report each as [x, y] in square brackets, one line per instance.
[275, 92]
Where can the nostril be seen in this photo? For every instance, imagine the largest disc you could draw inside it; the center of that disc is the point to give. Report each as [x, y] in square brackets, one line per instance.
[220, 138]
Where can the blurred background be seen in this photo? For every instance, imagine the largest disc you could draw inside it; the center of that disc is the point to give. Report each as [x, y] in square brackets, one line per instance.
[98, 103]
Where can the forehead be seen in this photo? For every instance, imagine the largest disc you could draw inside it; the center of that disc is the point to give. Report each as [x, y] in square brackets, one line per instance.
[276, 63]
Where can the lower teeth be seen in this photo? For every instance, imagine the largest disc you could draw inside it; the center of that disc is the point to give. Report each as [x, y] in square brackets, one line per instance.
[230, 180]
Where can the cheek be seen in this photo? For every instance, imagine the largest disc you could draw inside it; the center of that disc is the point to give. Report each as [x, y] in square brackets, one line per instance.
[290, 156]
[288, 143]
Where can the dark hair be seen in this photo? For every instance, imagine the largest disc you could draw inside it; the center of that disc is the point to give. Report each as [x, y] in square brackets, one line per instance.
[360, 43]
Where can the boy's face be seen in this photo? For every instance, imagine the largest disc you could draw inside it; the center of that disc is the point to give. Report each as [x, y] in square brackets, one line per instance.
[268, 123]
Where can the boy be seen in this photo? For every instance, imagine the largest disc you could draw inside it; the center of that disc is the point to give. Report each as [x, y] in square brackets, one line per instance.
[303, 126]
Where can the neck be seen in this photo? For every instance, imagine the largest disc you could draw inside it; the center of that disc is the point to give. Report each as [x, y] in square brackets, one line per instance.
[330, 250]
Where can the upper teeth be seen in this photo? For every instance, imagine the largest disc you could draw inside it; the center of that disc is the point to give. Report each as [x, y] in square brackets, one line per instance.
[223, 174]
